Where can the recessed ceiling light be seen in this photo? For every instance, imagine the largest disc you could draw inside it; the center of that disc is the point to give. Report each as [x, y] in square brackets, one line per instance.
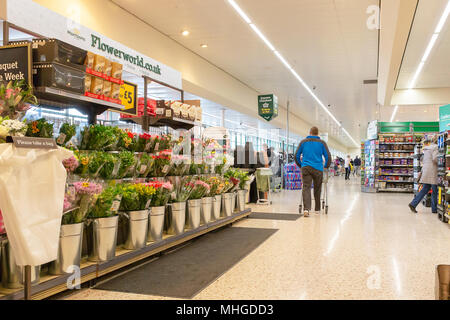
[185, 33]
[204, 45]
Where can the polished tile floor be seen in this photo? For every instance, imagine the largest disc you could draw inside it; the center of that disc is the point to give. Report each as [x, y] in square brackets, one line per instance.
[369, 246]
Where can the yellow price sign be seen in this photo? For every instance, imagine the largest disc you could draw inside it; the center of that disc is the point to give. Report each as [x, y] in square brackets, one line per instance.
[128, 95]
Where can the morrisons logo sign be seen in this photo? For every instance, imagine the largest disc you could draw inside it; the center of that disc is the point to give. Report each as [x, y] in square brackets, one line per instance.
[136, 60]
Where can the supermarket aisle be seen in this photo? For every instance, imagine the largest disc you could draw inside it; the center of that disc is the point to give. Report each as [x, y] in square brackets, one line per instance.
[370, 246]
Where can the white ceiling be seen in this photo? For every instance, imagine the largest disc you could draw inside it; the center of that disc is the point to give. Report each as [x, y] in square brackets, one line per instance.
[326, 41]
[436, 72]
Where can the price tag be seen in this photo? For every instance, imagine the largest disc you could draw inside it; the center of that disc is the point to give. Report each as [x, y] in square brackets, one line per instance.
[157, 146]
[61, 138]
[160, 111]
[168, 113]
[143, 168]
[147, 146]
[166, 169]
[115, 205]
[128, 96]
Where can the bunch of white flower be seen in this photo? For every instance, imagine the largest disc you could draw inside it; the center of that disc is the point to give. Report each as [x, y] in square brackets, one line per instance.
[12, 128]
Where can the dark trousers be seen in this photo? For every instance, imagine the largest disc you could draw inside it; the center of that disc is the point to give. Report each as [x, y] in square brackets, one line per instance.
[310, 175]
[347, 173]
[434, 196]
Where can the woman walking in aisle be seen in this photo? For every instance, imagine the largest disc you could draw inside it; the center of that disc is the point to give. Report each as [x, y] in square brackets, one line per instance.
[347, 168]
[428, 176]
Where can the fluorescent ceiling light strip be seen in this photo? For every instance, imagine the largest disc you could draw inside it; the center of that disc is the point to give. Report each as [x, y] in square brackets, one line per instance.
[240, 11]
[416, 75]
[271, 47]
[259, 33]
[283, 60]
[394, 113]
[431, 44]
[430, 47]
[443, 19]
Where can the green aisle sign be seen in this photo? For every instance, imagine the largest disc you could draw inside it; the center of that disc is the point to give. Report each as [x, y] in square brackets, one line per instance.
[268, 106]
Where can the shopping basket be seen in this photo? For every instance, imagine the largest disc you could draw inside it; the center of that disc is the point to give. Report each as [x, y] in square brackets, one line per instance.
[263, 176]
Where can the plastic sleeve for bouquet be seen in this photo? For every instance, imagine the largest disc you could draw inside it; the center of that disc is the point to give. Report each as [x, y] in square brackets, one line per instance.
[32, 185]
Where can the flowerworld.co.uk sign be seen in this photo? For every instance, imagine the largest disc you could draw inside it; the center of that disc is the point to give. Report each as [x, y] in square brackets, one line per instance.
[32, 16]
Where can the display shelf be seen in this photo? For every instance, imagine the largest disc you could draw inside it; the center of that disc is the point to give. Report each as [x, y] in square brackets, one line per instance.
[397, 165]
[51, 285]
[65, 99]
[174, 123]
[393, 143]
[395, 158]
[395, 181]
[395, 151]
[395, 190]
[397, 174]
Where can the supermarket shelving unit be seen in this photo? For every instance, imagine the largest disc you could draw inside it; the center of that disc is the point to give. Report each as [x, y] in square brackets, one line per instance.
[368, 180]
[396, 151]
[443, 178]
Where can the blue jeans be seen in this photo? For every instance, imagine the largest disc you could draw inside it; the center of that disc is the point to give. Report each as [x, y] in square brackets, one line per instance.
[426, 188]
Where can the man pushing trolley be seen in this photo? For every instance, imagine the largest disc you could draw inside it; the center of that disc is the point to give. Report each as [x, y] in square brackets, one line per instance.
[310, 156]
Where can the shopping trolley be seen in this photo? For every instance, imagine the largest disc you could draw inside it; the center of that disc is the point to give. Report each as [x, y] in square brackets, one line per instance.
[263, 176]
[324, 194]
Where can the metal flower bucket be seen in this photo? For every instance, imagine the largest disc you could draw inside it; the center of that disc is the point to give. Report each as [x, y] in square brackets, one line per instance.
[205, 214]
[69, 249]
[217, 206]
[156, 223]
[233, 202]
[137, 229]
[177, 218]
[241, 200]
[193, 213]
[104, 239]
[227, 205]
[13, 276]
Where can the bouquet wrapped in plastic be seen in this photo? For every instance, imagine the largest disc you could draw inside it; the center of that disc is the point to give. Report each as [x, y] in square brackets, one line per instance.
[110, 167]
[107, 203]
[182, 189]
[78, 200]
[199, 189]
[163, 164]
[15, 99]
[233, 176]
[180, 165]
[66, 133]
[40, 129]
[216, 185]
[100, 138]
[11, 128]
[144, 165]
[136, 197]
[163, 191]
[71, 164]
[127, 164]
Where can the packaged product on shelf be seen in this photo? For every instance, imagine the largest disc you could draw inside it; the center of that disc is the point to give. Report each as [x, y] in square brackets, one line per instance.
[116, 71]
[192, 112]
[199, 114]
[53, 50]
[184, 110]
[176, 107]
[59, 76]
[97, 85]
[107, 86]
[108, 67]
[87, 83]
[115, 91]
[89, 61]
[99, 63]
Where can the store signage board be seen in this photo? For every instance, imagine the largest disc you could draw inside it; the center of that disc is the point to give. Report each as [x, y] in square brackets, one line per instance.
[32, 16]
[34, 143]
[15, 63]
[372, 130]
[444, 118]
[268, 106]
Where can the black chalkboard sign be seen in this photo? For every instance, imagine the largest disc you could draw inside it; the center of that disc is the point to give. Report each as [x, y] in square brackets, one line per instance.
[15, 63]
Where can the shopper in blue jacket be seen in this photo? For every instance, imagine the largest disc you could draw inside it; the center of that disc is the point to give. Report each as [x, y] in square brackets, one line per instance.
[310, 156]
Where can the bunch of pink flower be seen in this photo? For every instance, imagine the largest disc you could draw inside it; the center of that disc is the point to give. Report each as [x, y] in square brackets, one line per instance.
[89, 188]
[71, 164]
[200, 189]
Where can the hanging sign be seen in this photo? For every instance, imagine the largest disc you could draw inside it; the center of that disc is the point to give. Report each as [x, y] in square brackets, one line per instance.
[15, 63]
[444, 118]
[268, 106]
[372, 130]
